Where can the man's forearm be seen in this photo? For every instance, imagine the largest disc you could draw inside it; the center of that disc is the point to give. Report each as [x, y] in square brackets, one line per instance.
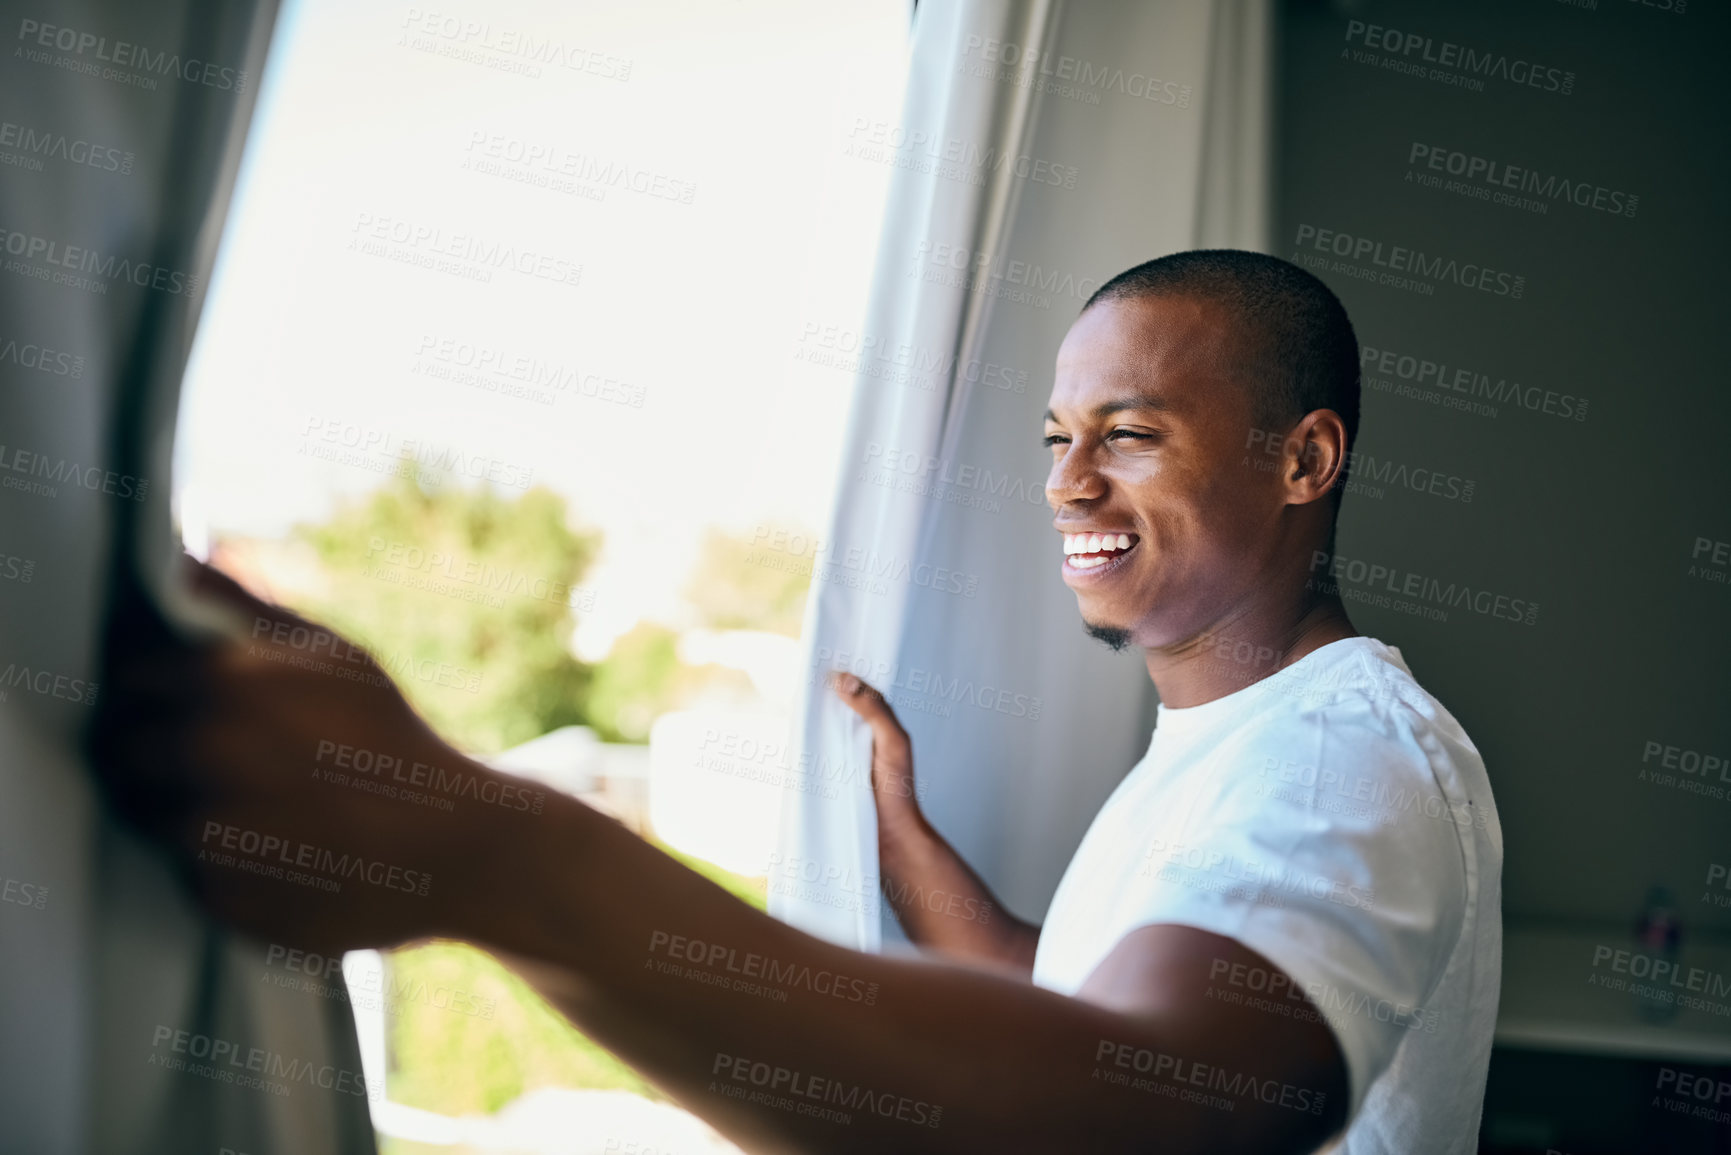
[941, 903]
[755, 1029]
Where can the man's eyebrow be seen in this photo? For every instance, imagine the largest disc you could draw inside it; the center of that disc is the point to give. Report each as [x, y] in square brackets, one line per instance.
[1119, 404]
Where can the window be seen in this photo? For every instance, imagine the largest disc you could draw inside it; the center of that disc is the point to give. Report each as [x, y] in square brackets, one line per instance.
[525, 362]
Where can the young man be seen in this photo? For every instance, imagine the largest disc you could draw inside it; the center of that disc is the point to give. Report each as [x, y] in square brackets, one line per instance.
[1281, 933]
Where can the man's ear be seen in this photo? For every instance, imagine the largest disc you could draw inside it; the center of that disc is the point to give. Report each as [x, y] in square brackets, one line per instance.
[1315, 456]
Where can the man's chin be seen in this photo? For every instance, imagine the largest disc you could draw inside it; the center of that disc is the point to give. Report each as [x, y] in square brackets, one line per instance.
[1115, 637]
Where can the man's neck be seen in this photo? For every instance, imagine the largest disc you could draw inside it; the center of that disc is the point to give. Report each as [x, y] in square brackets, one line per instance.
[1232, 655]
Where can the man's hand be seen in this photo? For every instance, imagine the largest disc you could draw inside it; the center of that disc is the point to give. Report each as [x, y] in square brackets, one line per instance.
[241, 755]
[892, 773]
[939, 900]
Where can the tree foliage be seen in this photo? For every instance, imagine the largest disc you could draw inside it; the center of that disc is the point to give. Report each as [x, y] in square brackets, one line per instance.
[739, 585]
[467, 598]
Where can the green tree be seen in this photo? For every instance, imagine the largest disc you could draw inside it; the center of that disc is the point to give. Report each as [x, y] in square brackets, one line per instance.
[742, 585]
[466, 597]
[477, 585]
[642, 678]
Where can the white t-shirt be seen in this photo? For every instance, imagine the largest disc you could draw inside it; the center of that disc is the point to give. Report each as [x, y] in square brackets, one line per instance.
[1336, 819]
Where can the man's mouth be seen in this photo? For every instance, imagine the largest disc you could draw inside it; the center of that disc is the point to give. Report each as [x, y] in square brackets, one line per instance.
[1083, 551]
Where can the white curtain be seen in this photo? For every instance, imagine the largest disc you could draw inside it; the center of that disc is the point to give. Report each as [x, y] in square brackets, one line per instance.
[123, 131]
[1044, 147]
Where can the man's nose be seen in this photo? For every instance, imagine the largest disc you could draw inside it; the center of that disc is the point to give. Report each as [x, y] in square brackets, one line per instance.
[1073, 477]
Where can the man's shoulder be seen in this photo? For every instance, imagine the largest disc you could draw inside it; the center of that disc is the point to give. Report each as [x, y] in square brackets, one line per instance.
[1359, 668]
[1363, 693]
[1360, 745]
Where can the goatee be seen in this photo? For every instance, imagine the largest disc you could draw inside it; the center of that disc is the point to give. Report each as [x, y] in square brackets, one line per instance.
[1114, 637]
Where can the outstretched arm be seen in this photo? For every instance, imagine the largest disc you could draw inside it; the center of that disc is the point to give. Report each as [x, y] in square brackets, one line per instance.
[211, 749]
[946, 1057]
[941, 903]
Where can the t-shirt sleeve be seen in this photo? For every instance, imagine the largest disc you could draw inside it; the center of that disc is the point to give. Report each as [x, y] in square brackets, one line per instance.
[1329, 849]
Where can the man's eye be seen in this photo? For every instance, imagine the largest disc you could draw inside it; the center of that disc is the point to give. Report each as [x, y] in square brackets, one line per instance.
[1129, 433]
[1054, 439]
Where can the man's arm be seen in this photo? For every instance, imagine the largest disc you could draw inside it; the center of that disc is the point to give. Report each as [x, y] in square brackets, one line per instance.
[944, 1058]
[924, 879]
[210, 748]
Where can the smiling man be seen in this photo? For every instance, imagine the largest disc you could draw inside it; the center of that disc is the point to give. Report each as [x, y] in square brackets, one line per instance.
[1281, 933]
[1302, 794]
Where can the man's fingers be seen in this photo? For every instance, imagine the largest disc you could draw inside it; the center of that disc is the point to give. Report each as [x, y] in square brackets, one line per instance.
[206, 581]
[892, 750]
[143, 768]
[159, 676]
[867, 702]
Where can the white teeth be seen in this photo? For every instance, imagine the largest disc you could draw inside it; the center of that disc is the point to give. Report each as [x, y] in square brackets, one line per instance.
[1075, 543]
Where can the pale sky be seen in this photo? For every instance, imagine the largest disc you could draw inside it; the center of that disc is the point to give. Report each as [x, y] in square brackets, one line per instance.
[376, 131]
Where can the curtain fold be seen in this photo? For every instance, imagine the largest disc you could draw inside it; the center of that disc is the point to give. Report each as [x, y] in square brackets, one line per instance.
[1043, 148]
[124, 124]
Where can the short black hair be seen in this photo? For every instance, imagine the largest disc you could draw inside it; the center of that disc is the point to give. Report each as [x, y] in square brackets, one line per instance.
[1300, 352]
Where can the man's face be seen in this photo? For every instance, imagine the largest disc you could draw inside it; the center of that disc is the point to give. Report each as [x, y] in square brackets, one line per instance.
[1149, 434]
